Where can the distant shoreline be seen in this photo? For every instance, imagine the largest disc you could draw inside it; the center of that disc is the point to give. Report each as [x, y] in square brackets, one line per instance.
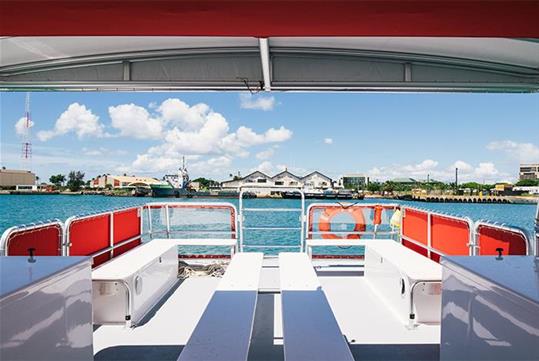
[430, 199]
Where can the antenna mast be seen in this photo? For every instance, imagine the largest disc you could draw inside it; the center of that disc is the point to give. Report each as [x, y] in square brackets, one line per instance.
[26, 153]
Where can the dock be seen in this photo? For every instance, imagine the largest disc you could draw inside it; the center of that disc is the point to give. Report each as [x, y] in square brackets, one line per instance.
[473, 199]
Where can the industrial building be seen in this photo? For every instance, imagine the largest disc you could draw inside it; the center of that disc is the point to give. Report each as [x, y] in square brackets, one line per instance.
[116, 181]
[10, 178]
[354, 181]
[313, 180]
[529, 171]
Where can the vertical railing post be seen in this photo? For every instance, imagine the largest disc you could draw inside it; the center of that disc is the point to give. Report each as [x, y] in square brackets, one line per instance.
[150, 229]
[141, 221]
[111, 234]
[429, 233]
[167, 219]
[302, 219]
[240, 217]
[474, 238]
[401, 230]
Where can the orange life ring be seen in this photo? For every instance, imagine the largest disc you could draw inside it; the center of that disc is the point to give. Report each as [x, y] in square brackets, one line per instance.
[330, 213]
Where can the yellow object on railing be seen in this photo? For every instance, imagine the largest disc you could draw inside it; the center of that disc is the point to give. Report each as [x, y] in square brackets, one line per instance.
[395, 221]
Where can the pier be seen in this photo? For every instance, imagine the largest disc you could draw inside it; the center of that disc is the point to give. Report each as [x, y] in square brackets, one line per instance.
[473, 199]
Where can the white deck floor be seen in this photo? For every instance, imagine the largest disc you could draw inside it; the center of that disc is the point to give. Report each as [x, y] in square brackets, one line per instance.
[372, 331]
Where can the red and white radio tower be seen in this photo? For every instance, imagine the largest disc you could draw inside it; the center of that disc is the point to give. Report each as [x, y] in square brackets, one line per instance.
[26, 141]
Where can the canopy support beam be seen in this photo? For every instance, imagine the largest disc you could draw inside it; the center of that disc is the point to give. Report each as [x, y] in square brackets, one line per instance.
[265, 61]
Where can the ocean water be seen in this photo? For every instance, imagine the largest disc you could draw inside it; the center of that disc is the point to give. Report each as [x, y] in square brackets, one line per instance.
[17, 209]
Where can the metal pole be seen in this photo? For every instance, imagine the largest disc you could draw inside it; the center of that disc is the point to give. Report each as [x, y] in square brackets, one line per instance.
[302, 221]
[456, 181]
[111, 234]
[240, 217]
[167, 219]
[149, 221]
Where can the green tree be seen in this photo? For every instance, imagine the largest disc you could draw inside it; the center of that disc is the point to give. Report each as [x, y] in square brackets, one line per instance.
[528, 183]
[58, 179]
[389, 186]
[374, 187]
[75, 180]
[206, 183]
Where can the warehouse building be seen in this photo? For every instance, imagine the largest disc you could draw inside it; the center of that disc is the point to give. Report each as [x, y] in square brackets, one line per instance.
[11, 178]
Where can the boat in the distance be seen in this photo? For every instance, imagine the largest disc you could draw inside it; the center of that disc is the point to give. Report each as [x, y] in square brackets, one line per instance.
[323, 194]
[174, 185]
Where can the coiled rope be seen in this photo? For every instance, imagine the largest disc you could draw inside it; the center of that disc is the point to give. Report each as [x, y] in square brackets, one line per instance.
[186, 270]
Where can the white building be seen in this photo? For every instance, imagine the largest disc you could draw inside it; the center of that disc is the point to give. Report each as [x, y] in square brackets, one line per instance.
[317, 180]
[117, 181]
[285, 179]
[527, 189]
[529, 171]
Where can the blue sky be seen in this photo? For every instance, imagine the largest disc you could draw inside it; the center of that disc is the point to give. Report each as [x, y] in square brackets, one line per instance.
[384, 135]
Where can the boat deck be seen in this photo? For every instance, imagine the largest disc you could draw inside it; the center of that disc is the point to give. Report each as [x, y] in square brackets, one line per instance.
[373, 332]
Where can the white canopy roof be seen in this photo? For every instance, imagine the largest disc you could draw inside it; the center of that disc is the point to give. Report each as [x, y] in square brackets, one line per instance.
[276, 63]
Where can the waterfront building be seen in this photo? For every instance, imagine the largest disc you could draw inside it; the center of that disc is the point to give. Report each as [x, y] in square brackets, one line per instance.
[10, 178]
[354, 181]
[316, 180]
[116, 181]
[287, 179]
[265, 183]
[529, 171]
[404, 181]
[526, 189]
[503, 189]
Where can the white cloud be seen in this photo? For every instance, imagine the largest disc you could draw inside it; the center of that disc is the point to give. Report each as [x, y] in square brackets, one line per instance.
[328, 140]
[78, 119]
[484, 171]
[462, 166]
[103, 151]
[246, 137]
[261, 102]
[176, 112]
[197, 131]
[523, 152]
[20, 126]
[265, 167]
[145, 163]
[135, 121]
[265, 154]
[420, 168]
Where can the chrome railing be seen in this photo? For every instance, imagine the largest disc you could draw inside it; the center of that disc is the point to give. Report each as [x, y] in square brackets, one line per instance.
[243, 210]
[169, 231]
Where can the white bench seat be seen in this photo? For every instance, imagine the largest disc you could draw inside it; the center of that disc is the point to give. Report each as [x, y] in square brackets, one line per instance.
[409, 283]
[208, 242]
[128, 286]
[224, 330]
[311, 243]
[310, 330]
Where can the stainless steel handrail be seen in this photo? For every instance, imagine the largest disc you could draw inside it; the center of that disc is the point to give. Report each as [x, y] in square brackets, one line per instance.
[169, 231]
[113, 247]
[128, 308]
[536, 250]
[390, 206]
[512, 229]
[411, 316]
[66, 240]
[6, 236]
[471, 230]
[241, 217]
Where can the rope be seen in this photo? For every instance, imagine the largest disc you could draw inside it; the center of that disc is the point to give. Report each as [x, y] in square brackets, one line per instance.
[186, 270]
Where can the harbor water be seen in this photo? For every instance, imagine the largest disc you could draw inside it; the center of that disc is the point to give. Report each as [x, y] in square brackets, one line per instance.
[25, 209]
